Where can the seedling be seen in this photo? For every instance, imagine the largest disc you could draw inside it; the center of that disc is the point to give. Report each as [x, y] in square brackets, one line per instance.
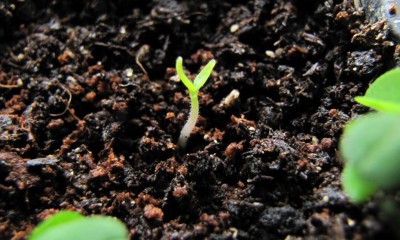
[68, 225]
[370, 145]
[193, 88]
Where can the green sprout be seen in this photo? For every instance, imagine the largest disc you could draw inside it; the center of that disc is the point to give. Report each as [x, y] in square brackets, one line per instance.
[68, 225]
[370, 145]
[193, 88]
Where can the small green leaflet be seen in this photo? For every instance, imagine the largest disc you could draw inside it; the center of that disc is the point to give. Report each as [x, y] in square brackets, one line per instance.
[204, 74]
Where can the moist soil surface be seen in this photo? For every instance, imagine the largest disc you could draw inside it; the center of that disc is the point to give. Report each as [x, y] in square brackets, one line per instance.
[91, 110]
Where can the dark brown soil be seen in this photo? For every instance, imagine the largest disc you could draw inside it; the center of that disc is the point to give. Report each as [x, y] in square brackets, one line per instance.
[91, 109]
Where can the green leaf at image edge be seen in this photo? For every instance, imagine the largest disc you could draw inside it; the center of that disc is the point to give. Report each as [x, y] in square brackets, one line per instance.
[377, 104]
[383, 94]
[80, 228]
[370, 146]
[60, 218]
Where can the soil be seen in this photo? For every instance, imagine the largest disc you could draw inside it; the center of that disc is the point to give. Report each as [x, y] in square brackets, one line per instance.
[91, 110]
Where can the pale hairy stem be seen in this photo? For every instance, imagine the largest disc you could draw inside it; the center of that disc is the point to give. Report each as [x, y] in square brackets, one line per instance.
[191, 122]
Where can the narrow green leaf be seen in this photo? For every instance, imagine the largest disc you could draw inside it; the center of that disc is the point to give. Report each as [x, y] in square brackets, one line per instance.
[384, 93]
[357, 188]
[82, 228]
[204, 74]
[371, 144]
[185, 80]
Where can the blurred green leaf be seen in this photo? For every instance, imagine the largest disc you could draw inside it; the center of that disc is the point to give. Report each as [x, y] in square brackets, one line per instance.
[68, 225]
[384, 93]
[355, 186]
[60, 218]
[370, 145]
